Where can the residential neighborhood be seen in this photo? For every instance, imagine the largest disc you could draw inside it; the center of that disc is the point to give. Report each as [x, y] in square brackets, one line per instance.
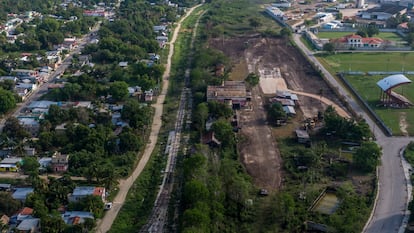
[51, 91]
[206, 116]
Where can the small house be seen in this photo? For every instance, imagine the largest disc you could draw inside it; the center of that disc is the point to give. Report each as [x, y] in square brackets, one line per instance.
[9, 168]
[302, 136]
[159, 28]
[76, 217]
[60, 163]
[10, 164]
[289, 110]
[30, 124]
[24, 213]
[44, 163]
[22, 193]
[83, 191]
[12, 160]
[210, 139]
[30, 225]
[123, 64]
[5, 187]
[29, 151]
[24, 72]
[148, 95]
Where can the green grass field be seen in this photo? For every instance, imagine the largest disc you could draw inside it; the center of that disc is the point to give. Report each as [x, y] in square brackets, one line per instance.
[368, 61]
[366, 85]
[383, 35]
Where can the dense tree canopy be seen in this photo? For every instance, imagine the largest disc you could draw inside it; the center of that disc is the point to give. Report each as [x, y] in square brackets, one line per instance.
[14, 130]
[7, 101]
[366, 158]
[119, 90]
[345, 128]
[276, 112]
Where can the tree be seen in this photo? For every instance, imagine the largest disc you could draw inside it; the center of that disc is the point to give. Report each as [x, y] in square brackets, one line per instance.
[14, 130]
[7, 101]
[252, 79]
[276, 112]
[194, 191]
[217, 109]
[280, 210]
[285, 32]
[119, 90]
[196, 218]
[361, 32]
[224, 132]
[56, 115]
[329, 47]
[366, 157]
[7, 85]
[30, 165]
[138, 116]
[410, 39]
[52, 224]
[339, 16]
[200, 116]
[392, 22]
[8, 205]
[255, 22]
[128, 141]
[372, 30]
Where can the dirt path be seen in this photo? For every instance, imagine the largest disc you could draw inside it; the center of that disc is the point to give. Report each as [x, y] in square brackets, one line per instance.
[338, 109]
[104, 225]
[259, 149]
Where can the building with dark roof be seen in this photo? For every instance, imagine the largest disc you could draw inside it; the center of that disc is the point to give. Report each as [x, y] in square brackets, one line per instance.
[383, 12]
[233, 93]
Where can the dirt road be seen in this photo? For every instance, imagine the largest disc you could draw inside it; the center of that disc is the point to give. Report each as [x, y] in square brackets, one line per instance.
[105, 223]
[326, 101]
[257, 158]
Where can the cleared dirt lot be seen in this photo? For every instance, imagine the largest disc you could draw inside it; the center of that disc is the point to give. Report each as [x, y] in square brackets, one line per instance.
[258, 148]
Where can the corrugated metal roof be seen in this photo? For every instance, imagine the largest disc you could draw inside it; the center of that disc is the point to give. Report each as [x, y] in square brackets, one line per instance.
[392, 81]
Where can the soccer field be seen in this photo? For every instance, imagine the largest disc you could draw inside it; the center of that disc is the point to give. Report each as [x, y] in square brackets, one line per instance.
[398, 120]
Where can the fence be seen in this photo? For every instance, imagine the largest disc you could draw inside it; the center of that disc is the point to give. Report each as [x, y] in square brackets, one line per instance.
[377, 119]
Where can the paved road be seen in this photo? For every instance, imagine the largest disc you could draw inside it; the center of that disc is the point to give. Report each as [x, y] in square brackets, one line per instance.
[42, 89]
[105, 223]
[390, 207]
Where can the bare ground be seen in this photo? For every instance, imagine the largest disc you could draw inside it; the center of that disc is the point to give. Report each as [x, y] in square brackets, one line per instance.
[258, 148]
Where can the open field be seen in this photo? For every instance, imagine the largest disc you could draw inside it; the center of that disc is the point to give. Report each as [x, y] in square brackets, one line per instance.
[369, 61]
[233, 18]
